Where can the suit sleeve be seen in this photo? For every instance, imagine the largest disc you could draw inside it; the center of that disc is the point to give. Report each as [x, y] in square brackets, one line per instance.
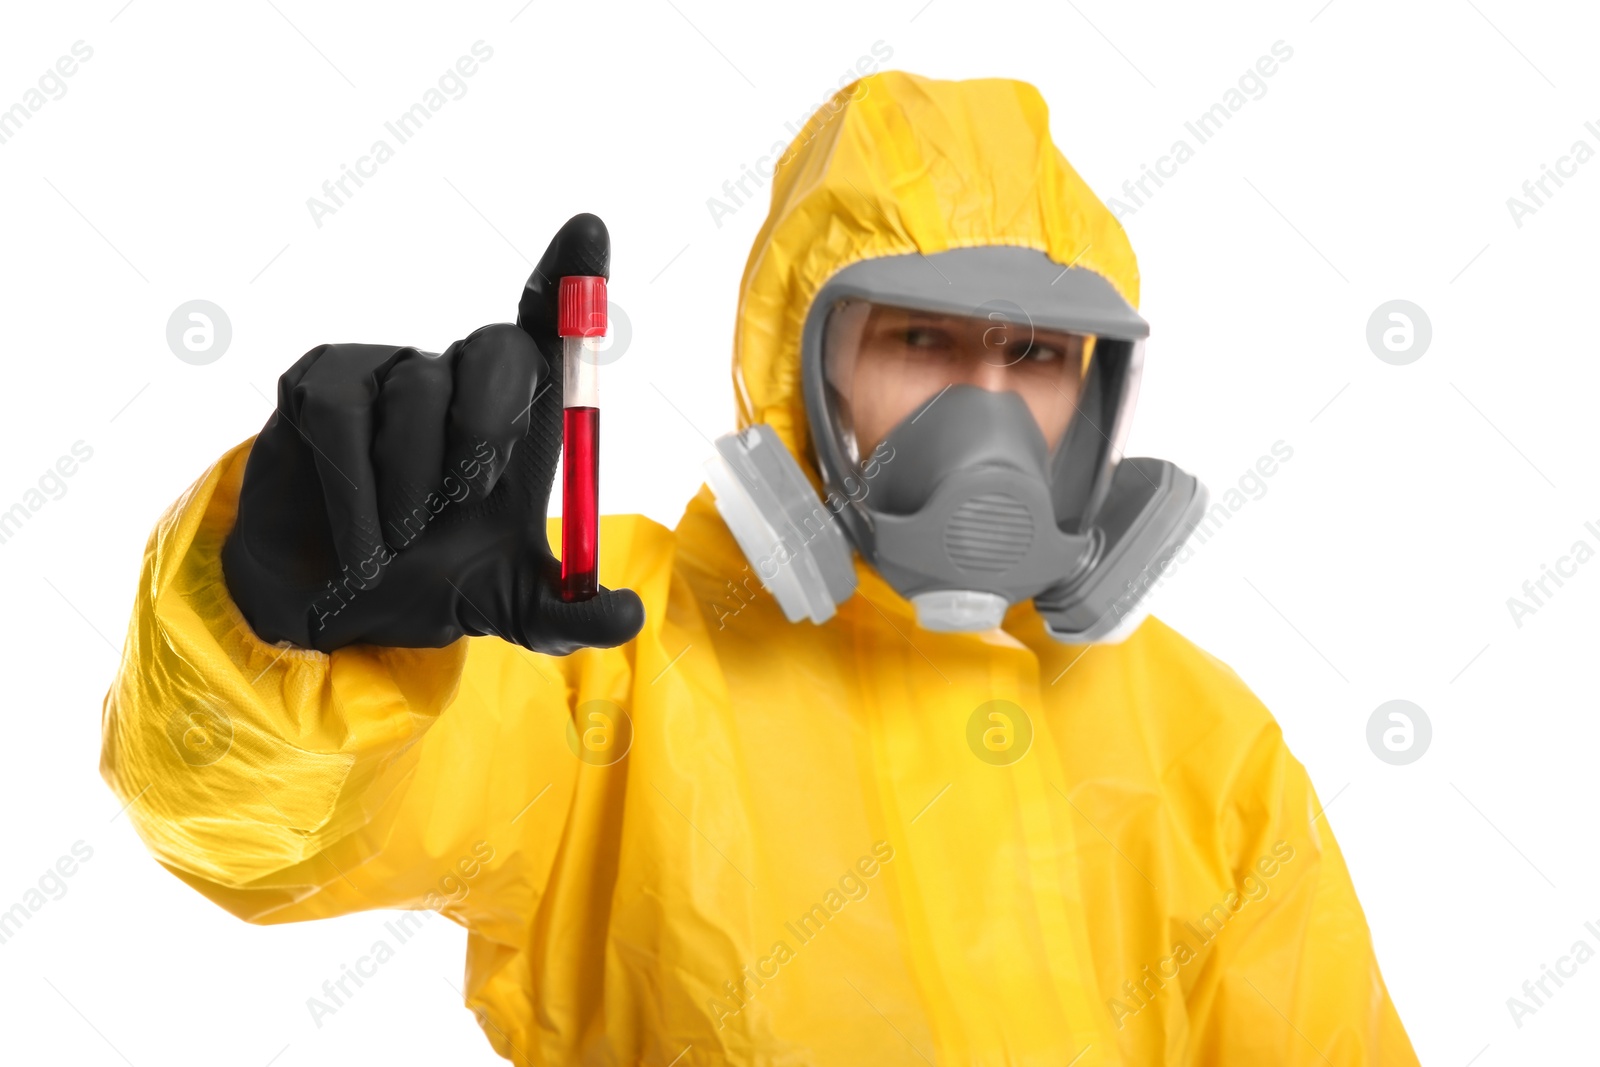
[269, 777]
[1290, 977]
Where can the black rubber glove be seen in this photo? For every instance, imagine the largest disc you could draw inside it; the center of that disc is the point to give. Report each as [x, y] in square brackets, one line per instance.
[398, 497]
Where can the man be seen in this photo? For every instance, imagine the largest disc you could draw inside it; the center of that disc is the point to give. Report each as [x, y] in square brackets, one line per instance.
[846, 768]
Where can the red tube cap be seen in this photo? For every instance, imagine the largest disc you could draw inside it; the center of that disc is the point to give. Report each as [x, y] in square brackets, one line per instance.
[582, 306]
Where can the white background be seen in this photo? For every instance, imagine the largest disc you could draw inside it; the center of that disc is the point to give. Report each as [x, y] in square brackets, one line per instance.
[1377, 565]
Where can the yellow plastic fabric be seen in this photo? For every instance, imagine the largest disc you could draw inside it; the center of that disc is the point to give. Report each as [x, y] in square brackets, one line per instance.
[801, 859]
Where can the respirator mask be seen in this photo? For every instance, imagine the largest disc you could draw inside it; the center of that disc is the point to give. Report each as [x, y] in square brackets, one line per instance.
[967, 410]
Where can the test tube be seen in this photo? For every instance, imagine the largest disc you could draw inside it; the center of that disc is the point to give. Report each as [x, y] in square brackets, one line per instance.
[581, 322]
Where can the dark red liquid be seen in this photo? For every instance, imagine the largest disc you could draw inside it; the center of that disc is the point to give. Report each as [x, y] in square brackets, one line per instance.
[580, 503]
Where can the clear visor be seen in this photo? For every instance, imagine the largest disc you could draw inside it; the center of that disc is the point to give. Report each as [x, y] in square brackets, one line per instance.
[883, 363]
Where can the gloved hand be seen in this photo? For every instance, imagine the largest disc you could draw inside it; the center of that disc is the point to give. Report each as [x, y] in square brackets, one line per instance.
[398, 497]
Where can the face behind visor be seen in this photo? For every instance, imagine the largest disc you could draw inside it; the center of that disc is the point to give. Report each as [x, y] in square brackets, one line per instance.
[967, 410]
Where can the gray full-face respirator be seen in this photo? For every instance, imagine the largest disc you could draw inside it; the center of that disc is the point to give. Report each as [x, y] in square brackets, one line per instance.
[968, 410]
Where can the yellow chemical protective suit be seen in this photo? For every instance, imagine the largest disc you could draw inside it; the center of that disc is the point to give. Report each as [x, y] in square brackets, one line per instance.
[740, 840]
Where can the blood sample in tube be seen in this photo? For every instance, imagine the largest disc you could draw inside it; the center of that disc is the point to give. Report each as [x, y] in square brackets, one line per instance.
[582, 326]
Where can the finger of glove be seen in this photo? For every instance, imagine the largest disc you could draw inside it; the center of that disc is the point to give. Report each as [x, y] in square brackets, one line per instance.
[498, 371]
[610, 618]
[581, 247]
[408, 450]
[333, 411]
